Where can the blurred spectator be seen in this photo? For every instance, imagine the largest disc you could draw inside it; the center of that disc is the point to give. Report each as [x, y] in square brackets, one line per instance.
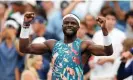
[30, 5]
[18, 10]
[120, 14]
[105, 9]
[19, 67]
[91, 67]
[125, 57]
[12, 21]
[49, 75]
[121, 8]
[126, 68]
[103, 65]
[45, 9]
[18, 6]
[8, 51]
[3, 8]
[82, 31]
[129, 24]
[91, 25]
[95, 6]
[32, 64]
[39, 28]
[48, 7]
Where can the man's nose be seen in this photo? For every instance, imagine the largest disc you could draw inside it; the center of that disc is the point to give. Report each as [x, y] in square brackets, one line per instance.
[69, 24]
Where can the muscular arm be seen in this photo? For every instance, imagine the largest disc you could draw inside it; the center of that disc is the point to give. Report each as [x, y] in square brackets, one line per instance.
[24, 42]
[25, 47]
[97, 50]
[100, 50]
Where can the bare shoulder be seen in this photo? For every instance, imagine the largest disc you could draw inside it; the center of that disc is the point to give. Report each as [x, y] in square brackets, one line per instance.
[50, 43]
[26, 72]
[85, 44]
[27, 75]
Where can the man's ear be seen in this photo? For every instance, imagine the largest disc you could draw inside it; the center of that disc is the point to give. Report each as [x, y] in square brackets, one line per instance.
[62, 27]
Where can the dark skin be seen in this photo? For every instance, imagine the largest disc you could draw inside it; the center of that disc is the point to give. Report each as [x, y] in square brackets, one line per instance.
[70, 27]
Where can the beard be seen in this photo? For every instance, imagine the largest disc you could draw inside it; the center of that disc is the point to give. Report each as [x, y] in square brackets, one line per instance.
[69, 32]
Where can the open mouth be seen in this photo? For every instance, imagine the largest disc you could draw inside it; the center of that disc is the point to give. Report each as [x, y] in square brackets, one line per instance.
[69, 29]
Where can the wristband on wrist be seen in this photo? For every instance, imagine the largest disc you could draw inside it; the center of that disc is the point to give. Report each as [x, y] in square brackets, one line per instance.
[26, 24]
[107, 40]
[25, 31]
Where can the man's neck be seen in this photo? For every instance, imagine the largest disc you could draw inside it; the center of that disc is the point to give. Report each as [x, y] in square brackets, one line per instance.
[109, 30]
[69, 39]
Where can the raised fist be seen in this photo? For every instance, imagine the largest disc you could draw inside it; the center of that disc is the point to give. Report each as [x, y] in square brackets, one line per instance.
[28, 18]
[101, 21]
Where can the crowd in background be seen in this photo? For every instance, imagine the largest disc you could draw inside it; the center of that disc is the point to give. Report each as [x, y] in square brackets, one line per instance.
[47, 24]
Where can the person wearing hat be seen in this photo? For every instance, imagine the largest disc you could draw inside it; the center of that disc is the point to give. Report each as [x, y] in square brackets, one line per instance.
[9, 51]
[39, 28]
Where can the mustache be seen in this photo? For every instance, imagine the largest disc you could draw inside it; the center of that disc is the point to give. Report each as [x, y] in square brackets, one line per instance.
[69, 27]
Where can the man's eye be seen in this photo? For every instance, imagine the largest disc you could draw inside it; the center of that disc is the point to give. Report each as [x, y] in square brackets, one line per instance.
[73, 23]
[66, 22]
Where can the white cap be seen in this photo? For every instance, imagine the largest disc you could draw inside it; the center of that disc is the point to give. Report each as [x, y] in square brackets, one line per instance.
[73, 16]
[12, 23]
[31, 2]
[39, 40]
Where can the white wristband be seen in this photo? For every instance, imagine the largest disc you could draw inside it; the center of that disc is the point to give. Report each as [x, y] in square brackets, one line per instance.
[107, 40]
[25, 32]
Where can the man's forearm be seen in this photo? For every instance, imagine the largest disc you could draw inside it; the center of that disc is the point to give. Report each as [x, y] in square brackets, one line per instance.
[24, 39]
[105, 31]
[119, 12]
[69, 8]
[107, 42]
[24, 43]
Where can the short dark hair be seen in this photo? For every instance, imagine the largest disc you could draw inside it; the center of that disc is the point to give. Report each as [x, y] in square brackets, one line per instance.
[112, 13]
[129, 13]
[105, 9]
